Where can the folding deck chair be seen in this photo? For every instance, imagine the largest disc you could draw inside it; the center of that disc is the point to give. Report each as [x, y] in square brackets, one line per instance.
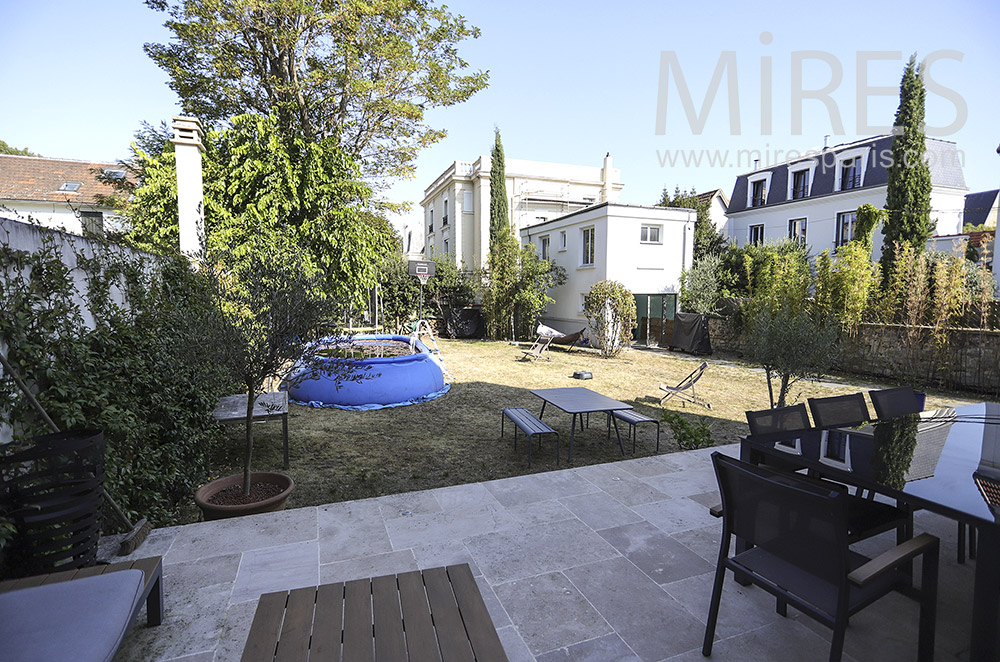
[685, 390]
[535, 351]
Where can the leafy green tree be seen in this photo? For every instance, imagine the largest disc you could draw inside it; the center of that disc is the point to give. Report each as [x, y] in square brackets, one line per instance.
[262, 182]
[847, 280]
[449, 289]
[501, 277]
[700, 285]
[363, 73]
[707, 240]
[534, 278]
[14, 151]
[399, 290]
[908, 195]
[610, 311]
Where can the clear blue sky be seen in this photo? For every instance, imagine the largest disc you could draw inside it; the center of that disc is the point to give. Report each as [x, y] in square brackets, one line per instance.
[569, 81]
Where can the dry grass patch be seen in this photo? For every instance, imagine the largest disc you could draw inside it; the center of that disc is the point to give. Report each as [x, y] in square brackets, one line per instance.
[340, 455]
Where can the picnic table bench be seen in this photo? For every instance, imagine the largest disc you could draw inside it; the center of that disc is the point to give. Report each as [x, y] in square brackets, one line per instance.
[530, 425]
[232, 409]
[434, 615]
[633, 418]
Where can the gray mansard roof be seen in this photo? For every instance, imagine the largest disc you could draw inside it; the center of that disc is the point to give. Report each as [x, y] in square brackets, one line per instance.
[943, 157]
[978, 206]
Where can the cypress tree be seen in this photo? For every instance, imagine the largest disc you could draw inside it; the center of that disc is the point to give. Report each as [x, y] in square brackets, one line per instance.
[908, 196]
[498, 298]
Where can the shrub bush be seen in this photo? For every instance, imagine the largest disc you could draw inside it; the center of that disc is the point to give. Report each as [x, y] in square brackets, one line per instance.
[123, 342]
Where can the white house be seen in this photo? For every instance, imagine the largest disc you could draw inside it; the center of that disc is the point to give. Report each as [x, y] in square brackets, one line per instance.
[456, 205]
[718, 206]
[815, 198]
[644, 248]
[58, 193]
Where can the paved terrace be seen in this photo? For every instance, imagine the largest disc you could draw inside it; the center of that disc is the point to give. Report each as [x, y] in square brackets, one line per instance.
[602, 563]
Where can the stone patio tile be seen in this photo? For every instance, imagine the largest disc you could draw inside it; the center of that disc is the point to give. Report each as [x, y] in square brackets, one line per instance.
[655, 465]
[203, 572]
[599, 510]
[277, 569]
[679, 514]
[378, 565]
[410, 503]
[785, 641]
[703, 541]
[540, 512]
[351, 529]
[456, 497]
[234, 633]
[528, 551]
[156, 544]
[514, 646]
[497, 613]
[707, 499]
[621, 484]
[549, 612]
[406, 532]
[743, 607]
[609, 648]
[652, 623]
[450, 552]
[658, 555]
[539, 487]
[684, 483]
[191, 624]
[220, 537]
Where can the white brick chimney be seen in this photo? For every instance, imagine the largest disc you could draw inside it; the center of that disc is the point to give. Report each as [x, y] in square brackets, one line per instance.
[190, 194]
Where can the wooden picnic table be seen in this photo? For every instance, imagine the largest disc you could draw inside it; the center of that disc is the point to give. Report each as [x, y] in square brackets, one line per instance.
[232, 409]
[433, 615]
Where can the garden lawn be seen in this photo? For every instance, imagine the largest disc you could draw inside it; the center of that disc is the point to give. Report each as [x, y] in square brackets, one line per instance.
[341, 455]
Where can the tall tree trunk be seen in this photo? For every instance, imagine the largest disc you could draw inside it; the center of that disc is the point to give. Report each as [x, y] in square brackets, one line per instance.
[251, 398]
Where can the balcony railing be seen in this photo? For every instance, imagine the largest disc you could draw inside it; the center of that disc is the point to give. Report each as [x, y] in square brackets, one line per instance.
[757, 201]
[444, 220]
[800, 191]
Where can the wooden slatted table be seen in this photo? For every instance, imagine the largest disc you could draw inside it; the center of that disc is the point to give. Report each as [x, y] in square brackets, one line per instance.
[434, 615]
[152, 592]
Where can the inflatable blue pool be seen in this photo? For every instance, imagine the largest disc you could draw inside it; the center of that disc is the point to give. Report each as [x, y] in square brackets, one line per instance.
[395, 372]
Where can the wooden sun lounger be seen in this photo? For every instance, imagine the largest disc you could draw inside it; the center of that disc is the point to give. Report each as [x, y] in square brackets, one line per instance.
[535, 351]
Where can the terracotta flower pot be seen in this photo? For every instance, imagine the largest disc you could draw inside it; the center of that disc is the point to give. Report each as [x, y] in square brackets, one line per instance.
[212, 511]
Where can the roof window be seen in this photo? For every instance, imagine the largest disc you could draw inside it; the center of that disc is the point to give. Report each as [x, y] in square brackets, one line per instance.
[72, 187]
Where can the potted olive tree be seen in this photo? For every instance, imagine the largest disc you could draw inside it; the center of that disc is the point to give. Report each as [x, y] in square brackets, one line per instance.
[272, 310]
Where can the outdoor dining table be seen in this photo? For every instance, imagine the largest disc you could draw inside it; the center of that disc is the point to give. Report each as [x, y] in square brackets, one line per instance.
[948, 462]
[577, 400]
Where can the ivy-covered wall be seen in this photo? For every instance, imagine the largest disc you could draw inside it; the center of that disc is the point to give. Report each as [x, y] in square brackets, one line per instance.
[114, 339]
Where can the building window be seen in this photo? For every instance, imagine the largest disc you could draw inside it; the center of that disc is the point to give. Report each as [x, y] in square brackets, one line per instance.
[446, 251]
[540, 219]
[800, 184]
[444, 216]
[430, 221]
[71, 187]
[92, 222]
[845, 226]
[759, 194]
[756, 234]
[850, 174]
[562, 240]
[650, 234]
[543, 247]
[797, 229]
[467, 204]
[588, 247]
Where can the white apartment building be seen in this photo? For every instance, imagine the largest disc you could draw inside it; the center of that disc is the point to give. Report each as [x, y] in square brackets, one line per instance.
[815, 198]
[644, 248]
[456, 206]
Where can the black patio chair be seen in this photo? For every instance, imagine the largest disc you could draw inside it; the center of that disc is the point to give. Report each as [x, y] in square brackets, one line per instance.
[781, 419]
[893, 402]
[839, 411]
[798, 532]
[866, 517]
